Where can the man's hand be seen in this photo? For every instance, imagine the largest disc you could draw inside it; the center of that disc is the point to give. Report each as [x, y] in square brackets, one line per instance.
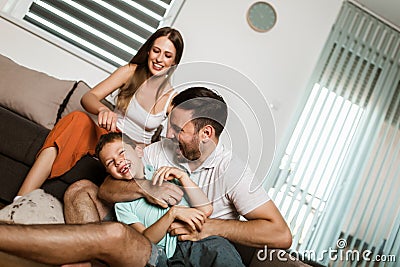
[193, 218]
[163, 195]
[113, 190]
[186, 233]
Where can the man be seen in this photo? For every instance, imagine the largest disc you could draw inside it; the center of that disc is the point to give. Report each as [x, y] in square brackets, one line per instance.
[195, 124]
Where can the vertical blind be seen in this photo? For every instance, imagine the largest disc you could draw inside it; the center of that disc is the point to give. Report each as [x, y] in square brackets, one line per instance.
[112, 30]
[337, 177]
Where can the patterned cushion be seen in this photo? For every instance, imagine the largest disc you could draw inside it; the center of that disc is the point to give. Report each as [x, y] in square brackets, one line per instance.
[36, 207]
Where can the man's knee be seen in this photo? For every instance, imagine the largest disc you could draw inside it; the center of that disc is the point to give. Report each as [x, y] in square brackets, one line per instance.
[116, 232]
[120, 240]
[125, 236]
[78, 189]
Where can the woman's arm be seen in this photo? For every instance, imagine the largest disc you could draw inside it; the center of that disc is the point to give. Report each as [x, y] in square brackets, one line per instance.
[155, 232]
[265, 226]
[91, 99]
[196, 197]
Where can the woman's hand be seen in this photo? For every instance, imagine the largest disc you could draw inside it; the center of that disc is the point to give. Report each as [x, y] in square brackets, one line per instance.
[107, 119]
[194, 218]
[168, 173]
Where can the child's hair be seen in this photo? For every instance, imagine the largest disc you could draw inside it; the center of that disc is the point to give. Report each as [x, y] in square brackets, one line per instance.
[111, 137]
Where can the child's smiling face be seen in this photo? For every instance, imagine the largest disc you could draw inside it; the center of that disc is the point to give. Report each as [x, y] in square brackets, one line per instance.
[121, 160]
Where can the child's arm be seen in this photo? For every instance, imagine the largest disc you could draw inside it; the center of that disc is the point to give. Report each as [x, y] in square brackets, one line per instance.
[193, 217]
[196, 197]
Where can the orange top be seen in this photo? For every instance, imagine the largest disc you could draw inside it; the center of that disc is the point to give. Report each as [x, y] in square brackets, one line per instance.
[75, 136]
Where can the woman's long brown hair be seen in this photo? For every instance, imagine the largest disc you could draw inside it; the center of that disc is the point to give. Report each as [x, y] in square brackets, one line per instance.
[142, 72]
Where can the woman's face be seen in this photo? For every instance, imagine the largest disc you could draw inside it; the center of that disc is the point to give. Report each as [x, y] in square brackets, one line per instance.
[161, 55]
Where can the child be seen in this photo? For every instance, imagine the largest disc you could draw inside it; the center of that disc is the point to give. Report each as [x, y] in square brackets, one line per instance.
[122, 162]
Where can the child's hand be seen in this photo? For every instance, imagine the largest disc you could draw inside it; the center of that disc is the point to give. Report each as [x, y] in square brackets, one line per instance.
[193, 217]
[168, 173]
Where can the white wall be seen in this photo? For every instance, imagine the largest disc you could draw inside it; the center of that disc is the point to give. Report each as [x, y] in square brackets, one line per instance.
[279, 61]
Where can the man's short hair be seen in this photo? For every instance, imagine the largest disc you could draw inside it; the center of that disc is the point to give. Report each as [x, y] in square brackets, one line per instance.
[209, 108]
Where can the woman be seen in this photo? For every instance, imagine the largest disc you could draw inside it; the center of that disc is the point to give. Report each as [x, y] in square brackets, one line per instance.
[76, 134]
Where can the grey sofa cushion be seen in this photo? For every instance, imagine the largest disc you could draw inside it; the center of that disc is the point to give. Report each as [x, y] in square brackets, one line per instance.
[36, 95]
[33, 94]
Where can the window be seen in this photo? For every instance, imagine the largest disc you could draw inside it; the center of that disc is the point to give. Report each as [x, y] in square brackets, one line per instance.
[111, 30]
[337, 173]
[313, 157]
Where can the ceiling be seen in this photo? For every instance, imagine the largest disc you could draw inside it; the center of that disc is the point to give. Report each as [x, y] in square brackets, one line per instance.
[388, 9]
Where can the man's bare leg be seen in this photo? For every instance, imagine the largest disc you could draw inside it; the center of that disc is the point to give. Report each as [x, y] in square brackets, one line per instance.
[81, 204]
[114, 243]
[8, 260]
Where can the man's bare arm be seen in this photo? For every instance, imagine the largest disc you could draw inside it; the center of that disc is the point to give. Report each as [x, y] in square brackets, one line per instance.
[265, 226]
[113, 190]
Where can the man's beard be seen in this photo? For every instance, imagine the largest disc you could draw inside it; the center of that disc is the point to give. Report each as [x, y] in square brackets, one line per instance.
[189, 152]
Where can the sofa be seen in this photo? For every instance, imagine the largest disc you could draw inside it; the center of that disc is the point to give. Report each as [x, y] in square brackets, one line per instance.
[31, 103]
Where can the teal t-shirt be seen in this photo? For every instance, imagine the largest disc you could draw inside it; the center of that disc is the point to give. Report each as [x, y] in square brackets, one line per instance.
[141, 211]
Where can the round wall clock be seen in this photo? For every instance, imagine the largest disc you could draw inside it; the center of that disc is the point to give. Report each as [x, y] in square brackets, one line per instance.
[261, 16]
